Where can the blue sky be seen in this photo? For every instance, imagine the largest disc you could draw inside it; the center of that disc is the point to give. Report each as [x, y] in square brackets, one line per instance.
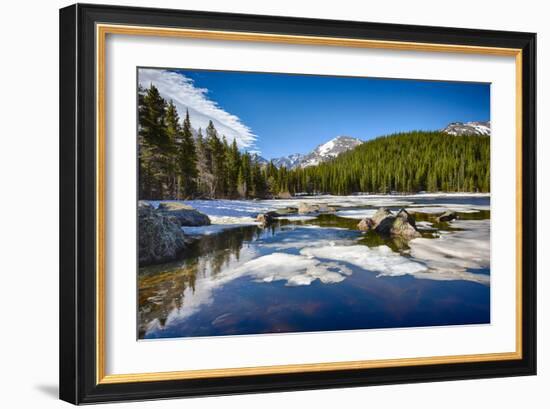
[280, 114]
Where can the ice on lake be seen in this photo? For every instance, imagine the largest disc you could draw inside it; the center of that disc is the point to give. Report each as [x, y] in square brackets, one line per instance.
[241, 279]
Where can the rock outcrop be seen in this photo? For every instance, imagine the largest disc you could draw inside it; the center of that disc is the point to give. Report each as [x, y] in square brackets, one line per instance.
[385, 223]
[380, 215]
[160, 237]
[366, 224]
[184, 214]
[404, 226]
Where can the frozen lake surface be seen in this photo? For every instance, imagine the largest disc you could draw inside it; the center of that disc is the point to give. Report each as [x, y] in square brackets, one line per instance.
[319, 273]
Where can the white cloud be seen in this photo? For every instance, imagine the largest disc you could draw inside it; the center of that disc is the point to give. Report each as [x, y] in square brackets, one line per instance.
[184, 93]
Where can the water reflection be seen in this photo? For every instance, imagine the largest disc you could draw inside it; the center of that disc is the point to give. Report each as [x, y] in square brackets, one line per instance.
[162, 288]
[252, 280]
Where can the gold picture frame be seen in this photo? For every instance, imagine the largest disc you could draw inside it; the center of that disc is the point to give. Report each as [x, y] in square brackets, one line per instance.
[97, 18]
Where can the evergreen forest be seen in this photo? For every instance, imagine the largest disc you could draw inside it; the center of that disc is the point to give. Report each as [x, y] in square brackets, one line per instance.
[178, 161]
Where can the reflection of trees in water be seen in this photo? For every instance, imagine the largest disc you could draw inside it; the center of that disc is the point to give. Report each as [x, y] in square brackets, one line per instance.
[162, 287]
[215, 251]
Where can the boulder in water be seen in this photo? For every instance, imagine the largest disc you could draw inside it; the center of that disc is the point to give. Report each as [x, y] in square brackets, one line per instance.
[385, 223]
[160, 238]
[366, 224]
[380, 215]
[404, 226]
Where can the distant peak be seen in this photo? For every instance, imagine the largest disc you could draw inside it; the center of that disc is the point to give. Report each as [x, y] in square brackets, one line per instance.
[468, 128]
[321, 153]
[346, 137]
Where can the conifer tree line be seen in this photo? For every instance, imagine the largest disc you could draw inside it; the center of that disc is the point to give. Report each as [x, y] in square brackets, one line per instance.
[176, 162]
[404, 162]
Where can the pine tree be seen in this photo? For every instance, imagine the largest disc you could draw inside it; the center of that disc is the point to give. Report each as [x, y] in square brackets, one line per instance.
[218, 161]
[258, 180]
[154, 142]
[244, 178]
[173, 132]
[204, 166]
[187, 161]
[233, 160]
[406, 162]
[173, 165]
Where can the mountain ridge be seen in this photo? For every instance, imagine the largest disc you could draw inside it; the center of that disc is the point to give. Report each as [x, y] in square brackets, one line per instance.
[468, 128]
[320, 154]
[343, 143]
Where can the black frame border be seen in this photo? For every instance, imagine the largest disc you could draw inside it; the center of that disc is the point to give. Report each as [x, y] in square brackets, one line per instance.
[78, 197]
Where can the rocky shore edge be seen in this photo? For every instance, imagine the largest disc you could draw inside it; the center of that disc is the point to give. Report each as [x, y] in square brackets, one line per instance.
[162, 237]
[160, 233]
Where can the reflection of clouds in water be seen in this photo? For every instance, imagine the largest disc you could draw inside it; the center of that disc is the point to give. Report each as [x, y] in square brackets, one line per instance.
[298, 237]
[325, 254]
[194, 298]
[295, 270]
[327, 262]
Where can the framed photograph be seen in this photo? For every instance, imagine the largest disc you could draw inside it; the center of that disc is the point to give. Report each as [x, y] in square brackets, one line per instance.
[257, 203]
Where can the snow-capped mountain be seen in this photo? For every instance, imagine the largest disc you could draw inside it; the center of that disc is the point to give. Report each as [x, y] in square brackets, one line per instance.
[290, 161]
[260, 159]
[468, 128]
[321, 153]
[330, 150]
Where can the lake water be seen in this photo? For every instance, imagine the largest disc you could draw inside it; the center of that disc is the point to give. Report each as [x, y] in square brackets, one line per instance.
[319, 273]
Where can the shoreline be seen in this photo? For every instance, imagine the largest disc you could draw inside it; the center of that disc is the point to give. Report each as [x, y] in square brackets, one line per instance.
[321, 196]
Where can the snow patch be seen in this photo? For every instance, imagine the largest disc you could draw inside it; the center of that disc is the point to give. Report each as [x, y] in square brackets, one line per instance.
[438, 210]
[379, 259]
[358, 214]
[326, 148]
[296, 270]
[451, 255]
[232, 220]
[427, 226]
[296, 217]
